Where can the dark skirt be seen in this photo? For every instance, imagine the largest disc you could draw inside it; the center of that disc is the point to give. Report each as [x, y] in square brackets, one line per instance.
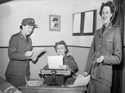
[17, 82]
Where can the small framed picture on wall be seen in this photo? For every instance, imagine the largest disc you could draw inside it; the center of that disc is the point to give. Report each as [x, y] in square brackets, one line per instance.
[54, 22]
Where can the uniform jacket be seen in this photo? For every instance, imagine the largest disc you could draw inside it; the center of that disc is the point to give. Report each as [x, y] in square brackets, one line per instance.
[18, 65]
[68, 60]
[109, 45]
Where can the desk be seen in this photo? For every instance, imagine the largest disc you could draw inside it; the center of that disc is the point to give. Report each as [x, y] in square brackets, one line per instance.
[53, 89]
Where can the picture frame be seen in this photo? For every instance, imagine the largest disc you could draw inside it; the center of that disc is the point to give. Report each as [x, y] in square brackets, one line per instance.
[81, 21]
[54, 22]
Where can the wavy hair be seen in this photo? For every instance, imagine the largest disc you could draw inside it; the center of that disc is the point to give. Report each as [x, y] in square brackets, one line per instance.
[109, 4]
[59, 43]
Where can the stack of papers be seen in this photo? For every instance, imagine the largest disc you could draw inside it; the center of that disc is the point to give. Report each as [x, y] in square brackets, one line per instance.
[34, 82]
[80, 81]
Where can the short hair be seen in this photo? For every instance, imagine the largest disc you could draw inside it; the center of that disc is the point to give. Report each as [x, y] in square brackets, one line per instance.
[109, 4]
[21, 27]
[59, 43]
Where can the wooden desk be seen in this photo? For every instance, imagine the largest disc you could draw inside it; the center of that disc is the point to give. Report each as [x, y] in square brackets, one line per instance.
[53, 89]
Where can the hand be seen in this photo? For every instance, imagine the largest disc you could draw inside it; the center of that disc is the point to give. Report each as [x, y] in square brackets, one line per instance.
[63, 67]
[84, 73]
[29, 54]
[100, 59]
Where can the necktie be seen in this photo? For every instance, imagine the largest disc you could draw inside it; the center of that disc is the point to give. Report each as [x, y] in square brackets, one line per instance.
[103, 28]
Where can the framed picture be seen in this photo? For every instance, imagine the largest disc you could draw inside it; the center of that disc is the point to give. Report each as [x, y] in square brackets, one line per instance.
[84, 23]
[54, 22]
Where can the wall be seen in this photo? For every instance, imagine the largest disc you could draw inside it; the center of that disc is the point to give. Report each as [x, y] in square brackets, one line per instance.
[12, 13]
[79, 54]
[3, 61]
[123, 72]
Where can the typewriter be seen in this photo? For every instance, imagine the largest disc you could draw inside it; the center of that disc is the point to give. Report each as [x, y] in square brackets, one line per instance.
[54, 76]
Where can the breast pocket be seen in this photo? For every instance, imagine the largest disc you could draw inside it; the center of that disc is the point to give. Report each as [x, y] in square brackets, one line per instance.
[108, 44]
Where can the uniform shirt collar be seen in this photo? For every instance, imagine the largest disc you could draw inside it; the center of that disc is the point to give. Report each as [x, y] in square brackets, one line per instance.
[22, 37]
[108, 28]
[20, 34]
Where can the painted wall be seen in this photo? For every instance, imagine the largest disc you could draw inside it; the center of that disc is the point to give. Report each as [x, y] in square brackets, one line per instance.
[79, 54]
[12, 13]
[123, 72]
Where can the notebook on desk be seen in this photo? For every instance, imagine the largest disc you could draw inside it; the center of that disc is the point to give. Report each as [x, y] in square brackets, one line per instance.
[55, 61]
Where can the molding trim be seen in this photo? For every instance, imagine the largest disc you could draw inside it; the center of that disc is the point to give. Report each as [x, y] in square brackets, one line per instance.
[53, 46]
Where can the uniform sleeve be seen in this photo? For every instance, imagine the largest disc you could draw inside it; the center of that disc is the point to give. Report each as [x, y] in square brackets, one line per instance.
[72, 64]
[90, 56]
[13, 49]
[116, 57]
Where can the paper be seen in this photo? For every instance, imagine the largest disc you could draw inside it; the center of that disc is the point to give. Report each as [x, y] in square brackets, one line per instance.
[37, 51]
[80, 81]
[34, 82]
[55, 61]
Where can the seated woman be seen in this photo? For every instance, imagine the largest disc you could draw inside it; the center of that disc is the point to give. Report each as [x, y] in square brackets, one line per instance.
[68, 61]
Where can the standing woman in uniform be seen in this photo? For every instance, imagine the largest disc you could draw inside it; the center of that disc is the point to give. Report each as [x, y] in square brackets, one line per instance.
[105, 51]
[20, 52]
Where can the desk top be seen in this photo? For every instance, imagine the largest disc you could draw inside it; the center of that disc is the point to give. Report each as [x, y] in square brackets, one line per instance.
[82, 88]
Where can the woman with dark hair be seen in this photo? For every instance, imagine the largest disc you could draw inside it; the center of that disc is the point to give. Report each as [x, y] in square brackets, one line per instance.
[105, 51]
[68, 61]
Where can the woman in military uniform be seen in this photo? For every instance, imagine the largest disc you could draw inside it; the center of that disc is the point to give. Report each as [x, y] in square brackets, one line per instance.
[68, 61]
[20, 52]
[105, 51]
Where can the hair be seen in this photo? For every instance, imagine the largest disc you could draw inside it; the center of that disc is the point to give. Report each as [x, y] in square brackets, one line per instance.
[109, 4]
[21, 26]
[59, 43]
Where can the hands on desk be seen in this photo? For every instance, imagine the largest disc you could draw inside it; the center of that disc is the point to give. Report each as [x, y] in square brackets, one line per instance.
[66, 67]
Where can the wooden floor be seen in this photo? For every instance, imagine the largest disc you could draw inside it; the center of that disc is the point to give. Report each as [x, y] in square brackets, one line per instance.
[53, 89]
